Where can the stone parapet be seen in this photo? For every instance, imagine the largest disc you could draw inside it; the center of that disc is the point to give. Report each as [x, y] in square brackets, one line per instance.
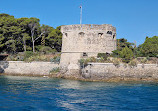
[103, 27]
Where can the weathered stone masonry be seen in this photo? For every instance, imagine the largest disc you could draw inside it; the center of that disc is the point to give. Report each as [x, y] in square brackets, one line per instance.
[108, 70]
[86, 40]
[26, 68]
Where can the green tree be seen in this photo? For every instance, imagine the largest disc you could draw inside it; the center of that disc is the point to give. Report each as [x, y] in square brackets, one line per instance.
[26, 34]
[149, 47]
[54, 39]
[46, 29]
[121, 44]
[126, 54]
[9, 33]
[34, 25]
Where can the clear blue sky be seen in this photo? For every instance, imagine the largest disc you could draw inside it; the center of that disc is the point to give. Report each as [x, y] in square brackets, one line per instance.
[134, 19]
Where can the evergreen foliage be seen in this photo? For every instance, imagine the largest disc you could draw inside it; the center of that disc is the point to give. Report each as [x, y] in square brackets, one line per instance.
[104, 56]
[26, 34]
[150, 47]
[126, 54]
[127, 50]
[121, 44]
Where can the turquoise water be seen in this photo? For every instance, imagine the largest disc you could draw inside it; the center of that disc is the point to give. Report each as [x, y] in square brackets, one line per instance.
[45, 94]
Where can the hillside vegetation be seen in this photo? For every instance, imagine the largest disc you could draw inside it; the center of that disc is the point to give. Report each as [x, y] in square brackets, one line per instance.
[27, 39]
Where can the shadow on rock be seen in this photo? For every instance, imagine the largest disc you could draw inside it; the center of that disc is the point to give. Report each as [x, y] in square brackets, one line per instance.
[3, 66]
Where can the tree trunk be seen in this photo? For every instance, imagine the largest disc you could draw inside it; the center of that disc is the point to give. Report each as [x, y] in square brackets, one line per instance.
[24, 43]
[33, 42]
[24, 47]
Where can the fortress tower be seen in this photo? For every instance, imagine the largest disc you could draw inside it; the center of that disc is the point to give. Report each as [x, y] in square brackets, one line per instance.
[85, 41]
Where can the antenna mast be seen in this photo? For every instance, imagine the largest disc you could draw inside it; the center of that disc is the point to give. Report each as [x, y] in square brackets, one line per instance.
[81, 16]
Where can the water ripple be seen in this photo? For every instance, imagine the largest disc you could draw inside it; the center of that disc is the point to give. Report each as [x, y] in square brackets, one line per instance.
[45, 94]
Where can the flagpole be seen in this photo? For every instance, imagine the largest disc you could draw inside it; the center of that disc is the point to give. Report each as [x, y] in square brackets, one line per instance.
[81, 16]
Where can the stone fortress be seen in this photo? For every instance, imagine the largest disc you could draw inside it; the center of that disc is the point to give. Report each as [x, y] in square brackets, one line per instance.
[81, 41]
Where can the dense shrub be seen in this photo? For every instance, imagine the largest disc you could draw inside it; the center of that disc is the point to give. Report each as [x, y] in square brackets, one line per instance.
[101, 59]
[144, 60]
[46, 50]
[132, 63]
[37, 58]
[92, 59]
[56, 59]
[28, 54]
[126, 54]
[83, 62]
[103, 56]
[11, 58]
[116, 62]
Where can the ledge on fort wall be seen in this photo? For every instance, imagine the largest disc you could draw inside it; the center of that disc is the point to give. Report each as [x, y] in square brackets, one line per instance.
[88, 27]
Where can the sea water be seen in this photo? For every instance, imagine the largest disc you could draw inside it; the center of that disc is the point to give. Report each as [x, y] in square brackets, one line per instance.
[48, 94]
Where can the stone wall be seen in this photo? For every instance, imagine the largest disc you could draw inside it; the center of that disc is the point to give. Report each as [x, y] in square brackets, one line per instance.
[108, 70]
[25, 68]
[94, 71]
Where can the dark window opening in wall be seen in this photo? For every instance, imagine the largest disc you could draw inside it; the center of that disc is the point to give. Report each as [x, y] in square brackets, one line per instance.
[66, 34]
[100, 34]
[85, 54]
[109, 32]
[108, 54]
[113, 36]
[86, 71]
[81, 34]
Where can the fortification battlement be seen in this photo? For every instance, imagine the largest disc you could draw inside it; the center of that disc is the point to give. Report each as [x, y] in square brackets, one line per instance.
[103, 27]
[86, 40]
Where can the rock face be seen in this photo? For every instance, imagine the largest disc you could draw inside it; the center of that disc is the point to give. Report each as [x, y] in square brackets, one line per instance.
[85, 41]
